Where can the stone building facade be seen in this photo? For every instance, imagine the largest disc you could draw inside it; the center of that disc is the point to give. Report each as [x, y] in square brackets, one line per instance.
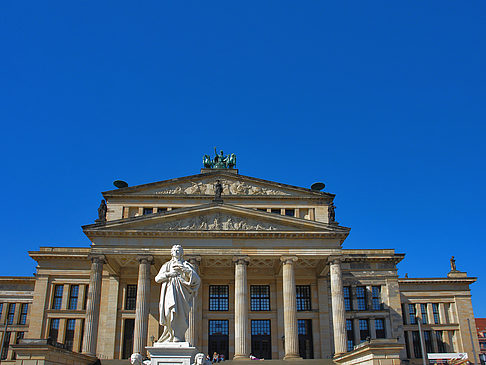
[276, 280]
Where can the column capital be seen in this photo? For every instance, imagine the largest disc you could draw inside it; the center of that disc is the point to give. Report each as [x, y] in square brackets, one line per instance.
[288, 259]
[97, 258]
[241, 260]
[145, 259]
[335, 260]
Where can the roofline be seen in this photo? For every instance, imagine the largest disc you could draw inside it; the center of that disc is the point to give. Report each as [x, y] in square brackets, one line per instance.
[128, 189]
[469, 280]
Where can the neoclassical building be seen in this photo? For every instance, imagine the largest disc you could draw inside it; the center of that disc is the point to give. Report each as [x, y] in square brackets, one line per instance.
[277, 279]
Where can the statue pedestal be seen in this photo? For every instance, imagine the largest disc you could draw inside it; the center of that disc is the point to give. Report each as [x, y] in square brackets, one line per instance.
[175, 353]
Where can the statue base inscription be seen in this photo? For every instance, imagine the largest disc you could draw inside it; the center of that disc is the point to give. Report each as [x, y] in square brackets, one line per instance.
[176, 353]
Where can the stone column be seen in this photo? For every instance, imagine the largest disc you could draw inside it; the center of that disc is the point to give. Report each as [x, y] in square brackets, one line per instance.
[290, 309]
[242, 349]
[192, 331]
[142, 305]
[337, 300]
[93, 305]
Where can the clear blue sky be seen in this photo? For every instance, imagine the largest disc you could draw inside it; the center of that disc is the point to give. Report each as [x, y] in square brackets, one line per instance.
[383, 101]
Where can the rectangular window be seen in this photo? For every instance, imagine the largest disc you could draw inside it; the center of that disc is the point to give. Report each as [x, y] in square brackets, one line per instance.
[261, 339]
[417, 350]
[376, 298]
[148, 211]
[306, 346]
[54, 329]
[412, 314]
[380, 328]
[57, 301]
[6, 344]
[218, 297]
[23, 313]
[276, 211]
[160, 210]
[260, 298]
[348, 304]
[218, 340]
[128, 327]
[73, 297]
[440, 342]
[11, 313]
[428, 341]
[423, 309]
[361, 298]
[349, 334]
[69, 338]
[364, 330]
[435, 310]
[303, 297]
[290, 212]
[131, 298]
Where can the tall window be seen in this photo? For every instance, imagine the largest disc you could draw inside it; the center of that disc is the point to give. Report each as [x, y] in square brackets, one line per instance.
[349, 334]
[218, 297]
[440, 342]
[73, 297]
[57, 301]
[361, 297]
[128, 327]
[423, 310]
[380, 328]
[261, 345]
[6, 344]
[348, 304]
[290, 212]
[275, 211]
[364, 329]
[147, 211]
[218, 340]
[23, 313]
[260, 298]
[86, 292]
[428, 341]
[407, 345]
[303, 297]
[376, 298]
[412, 315]
[304, 329]
[435, 310]
[69, 338]
[416, 344]
[131, 298]
[11, 313]
[54, 329]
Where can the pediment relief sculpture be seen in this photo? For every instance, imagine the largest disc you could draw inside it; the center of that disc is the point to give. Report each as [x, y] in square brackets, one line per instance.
[230, 187]
[216, 222]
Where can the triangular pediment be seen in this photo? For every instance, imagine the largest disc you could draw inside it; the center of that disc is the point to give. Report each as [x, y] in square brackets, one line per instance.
[215, 218]
[204, 185]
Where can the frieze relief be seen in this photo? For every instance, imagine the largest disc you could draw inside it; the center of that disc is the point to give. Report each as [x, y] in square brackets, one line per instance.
[217, 222]
[230, 187]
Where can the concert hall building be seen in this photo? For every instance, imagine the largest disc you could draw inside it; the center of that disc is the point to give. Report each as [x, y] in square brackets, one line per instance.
[277, 279]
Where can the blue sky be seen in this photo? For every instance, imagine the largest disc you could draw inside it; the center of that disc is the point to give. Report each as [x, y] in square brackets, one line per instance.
[383, 101]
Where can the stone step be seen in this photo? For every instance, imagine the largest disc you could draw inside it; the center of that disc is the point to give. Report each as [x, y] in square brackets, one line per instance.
[245, 362]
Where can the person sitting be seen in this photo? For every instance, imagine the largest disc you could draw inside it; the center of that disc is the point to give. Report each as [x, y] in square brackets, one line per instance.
[215, 357]
[252, 357]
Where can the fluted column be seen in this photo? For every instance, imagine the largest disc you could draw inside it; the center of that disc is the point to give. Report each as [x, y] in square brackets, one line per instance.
[142, 306]
[337, 300]
[242, 349]
[192, 333]
[290, 309]
[93, 305]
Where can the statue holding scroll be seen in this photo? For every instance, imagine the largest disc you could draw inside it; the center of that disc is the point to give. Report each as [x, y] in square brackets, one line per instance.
[180, 283]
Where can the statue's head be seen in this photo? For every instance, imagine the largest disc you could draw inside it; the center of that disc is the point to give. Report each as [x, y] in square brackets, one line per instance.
[199, 359]
[177, 251]
[136, 359]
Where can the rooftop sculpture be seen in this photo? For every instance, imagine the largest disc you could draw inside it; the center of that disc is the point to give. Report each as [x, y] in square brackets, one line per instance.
[219, 161]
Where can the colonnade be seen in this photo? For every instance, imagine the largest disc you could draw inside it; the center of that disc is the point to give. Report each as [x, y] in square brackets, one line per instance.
[242, 345]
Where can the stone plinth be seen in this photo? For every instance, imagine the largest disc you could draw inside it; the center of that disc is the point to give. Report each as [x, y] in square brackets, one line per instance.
[174, 353]
[375, 352]
[45, 352]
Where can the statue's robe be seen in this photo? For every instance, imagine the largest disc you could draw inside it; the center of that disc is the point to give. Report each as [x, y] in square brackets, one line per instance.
[176, 296]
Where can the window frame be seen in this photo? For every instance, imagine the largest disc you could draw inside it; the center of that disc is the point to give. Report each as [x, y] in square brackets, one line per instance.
[221, 298]
[259, 300]
[303, 298]
[57, 297]
[130, 300]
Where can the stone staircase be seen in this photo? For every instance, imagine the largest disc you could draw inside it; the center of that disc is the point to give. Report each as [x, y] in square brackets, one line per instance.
[246, 362]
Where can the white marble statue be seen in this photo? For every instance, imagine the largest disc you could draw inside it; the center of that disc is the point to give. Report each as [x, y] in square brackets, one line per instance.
[137, 359]
[200, 359]
[180, 282]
